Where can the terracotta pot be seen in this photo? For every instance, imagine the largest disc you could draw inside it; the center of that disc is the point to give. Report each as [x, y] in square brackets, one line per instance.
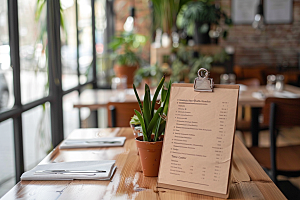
[150, 153]
[128, 71]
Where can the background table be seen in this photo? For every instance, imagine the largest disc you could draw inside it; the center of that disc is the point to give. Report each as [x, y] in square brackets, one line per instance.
[94, 99]
[246, 98]
[99, 98]
[249, 181]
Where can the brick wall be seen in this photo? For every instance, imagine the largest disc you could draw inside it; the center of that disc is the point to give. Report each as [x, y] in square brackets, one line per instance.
[142, 20]
[277, 43]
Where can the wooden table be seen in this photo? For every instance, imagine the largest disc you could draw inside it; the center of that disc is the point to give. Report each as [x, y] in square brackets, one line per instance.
[94, 99]
[99, 98]
[256, 104]
[249, 181]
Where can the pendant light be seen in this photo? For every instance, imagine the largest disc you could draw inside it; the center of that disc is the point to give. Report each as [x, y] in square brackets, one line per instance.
[258, 22]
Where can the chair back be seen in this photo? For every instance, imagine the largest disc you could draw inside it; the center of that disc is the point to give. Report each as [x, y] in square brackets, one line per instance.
[287, 111]
[119, 113]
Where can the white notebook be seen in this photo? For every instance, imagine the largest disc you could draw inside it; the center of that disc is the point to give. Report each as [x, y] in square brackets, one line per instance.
[89, 170]
[94, 142]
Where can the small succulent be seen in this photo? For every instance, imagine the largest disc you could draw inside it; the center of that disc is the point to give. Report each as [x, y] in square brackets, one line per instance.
[135, 121]
[151, 121]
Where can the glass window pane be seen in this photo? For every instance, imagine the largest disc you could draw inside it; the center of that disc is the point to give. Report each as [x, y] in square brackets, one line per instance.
[69, 45]
[6, 78]
[33, 45]
[85, 39]
[103, 62]
[71, 115]
[36, 135]
[7, 164]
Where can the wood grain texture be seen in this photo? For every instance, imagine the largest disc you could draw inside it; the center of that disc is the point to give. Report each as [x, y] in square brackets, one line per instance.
[128, 182]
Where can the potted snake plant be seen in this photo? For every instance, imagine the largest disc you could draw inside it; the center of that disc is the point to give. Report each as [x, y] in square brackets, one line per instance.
[153, 125]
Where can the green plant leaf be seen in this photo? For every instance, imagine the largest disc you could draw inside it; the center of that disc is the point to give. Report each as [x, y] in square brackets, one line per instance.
[161, 83]
[146, 106]
[163, 95]
[157, 127]
[138, 98]
[40, 7]
[166, 102]
[160, 128]
[138, 114]
[154, 120]
[135, 120]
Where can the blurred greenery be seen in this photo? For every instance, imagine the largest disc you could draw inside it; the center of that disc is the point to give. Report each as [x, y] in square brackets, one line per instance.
[127, 48]
[204, 11]
[153, 72]
[187, 62]
[165, 13]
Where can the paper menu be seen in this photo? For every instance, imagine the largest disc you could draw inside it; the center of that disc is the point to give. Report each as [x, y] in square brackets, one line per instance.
[198, 142]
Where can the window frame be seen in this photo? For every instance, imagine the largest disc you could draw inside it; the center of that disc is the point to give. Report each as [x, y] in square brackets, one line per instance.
[56, 93]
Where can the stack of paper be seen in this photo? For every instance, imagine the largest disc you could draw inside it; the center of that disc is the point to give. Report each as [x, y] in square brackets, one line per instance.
[93, 170]
[95, 142]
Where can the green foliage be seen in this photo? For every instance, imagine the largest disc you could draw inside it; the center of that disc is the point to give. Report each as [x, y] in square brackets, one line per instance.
[179, 70]
[154, 72]
[202, 62]
[127, 47]
[221, 57]
[150, 120]
[165, 13]
[186, 65]
[203, 11]
[135, 120]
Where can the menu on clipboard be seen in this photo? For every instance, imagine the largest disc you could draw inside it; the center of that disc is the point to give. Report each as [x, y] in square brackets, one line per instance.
[198, 141]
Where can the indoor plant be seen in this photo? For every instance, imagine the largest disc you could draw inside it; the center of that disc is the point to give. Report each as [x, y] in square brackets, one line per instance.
[127, 49]
[197, 17]
[148, 74]
[153, 125]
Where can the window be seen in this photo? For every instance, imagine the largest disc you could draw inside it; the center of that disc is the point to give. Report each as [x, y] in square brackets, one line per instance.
[44, 65]
[6, 78]
[33, 48]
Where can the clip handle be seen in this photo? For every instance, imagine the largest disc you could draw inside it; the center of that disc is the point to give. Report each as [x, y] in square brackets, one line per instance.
[201, 70]
[203, 83]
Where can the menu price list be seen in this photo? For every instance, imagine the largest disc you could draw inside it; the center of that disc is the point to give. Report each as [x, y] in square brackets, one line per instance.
[198, 145]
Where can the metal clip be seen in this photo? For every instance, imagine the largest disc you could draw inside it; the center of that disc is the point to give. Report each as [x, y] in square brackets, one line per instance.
[203, 83]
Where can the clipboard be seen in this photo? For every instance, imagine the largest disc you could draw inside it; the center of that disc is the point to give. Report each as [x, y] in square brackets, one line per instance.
[199, 137]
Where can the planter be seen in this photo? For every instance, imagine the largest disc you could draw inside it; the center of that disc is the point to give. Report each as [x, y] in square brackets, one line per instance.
[201, 38]
[150, 153]
[128, 71]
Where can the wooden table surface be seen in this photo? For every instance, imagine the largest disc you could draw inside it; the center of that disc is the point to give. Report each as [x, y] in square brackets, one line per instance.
[97, 98]
[246, 98]
[249, 181]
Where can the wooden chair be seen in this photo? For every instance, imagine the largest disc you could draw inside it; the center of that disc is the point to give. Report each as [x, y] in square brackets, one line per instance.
[119, 113]
[280, 112]
[248, 72]
[243, 123]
